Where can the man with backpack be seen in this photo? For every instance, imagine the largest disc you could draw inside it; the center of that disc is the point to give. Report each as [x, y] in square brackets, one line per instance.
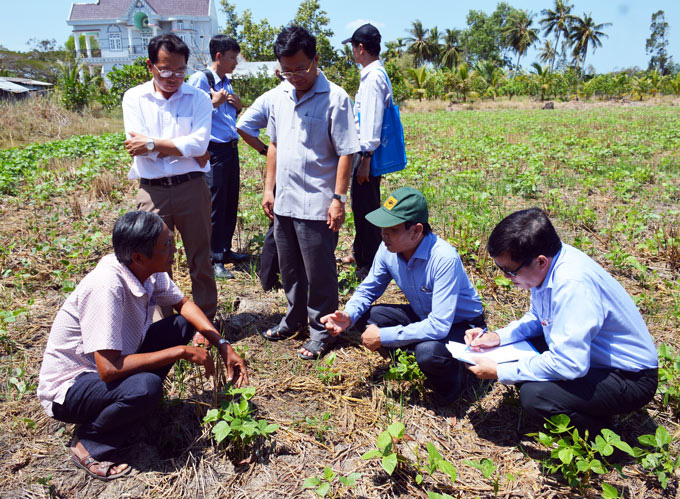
[224, 176]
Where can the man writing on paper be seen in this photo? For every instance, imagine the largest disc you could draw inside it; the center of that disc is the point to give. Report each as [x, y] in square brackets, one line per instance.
[443, 303]
[598, 358]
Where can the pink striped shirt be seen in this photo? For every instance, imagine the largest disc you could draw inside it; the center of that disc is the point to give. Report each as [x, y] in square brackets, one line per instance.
[109, 310]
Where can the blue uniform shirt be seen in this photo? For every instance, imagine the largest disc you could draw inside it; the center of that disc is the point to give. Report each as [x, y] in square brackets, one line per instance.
[224, 116]
[588, 320]
[435, 284]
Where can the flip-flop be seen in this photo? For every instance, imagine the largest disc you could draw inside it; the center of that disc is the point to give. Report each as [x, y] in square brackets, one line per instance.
[102, 470]
[278, 333]
[316, 348]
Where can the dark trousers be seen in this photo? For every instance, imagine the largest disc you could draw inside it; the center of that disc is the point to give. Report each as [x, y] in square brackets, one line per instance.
[308, 272]
[365, 199]
[223, 180]
[443, 372]
[589, 401]
[107, 412]
[269, 261]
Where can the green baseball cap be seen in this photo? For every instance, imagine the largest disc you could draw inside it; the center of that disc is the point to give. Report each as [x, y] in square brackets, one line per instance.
[404, 205]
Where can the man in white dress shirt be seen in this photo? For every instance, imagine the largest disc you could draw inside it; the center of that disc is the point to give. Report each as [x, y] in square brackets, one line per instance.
[168, 126]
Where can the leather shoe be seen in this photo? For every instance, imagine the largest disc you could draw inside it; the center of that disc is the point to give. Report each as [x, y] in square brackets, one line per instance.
[221, 272]
[234, 257]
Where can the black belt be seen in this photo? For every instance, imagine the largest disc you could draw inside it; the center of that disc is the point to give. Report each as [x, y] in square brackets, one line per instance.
[223, 145]
[170, 181]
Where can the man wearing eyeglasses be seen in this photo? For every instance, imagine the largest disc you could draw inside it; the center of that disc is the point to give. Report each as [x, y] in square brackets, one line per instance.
[224, 175]
[598, 358]
[311, 126]
[167, 124]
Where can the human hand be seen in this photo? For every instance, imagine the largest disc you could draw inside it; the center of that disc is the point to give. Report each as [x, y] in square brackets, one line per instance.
[484, 369]
[371, 337]
[268, 204]
[337, 322]
[203, 159]
[201, 357]
[236, 367]
[136, 144]
[235, 101]
[218, 97]
[336, 215]
[478, 339]
[363, 171]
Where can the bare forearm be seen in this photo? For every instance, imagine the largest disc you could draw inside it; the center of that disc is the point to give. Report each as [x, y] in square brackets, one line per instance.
[195, 316]
[167, 147]
[270, 180]
[344, 173]
[253, 142]
[113, 366]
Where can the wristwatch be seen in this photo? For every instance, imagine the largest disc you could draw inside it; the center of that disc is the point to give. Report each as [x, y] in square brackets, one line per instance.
[340, 197]
[222, 342]
[150, 145]
[367, 154]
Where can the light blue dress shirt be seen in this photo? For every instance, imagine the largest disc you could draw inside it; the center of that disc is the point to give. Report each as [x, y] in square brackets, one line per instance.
[256, 117]
[435, 284]
[224, 116]
[588, 320]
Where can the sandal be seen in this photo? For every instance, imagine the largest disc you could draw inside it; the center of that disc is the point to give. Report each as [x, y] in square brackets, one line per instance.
[317, 349]
[101, 471]
[278, 333]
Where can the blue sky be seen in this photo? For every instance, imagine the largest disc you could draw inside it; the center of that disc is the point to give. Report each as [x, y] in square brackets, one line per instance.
[625, 47]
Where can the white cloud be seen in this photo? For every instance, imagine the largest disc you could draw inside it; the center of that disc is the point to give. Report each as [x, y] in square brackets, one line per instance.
[353, 25]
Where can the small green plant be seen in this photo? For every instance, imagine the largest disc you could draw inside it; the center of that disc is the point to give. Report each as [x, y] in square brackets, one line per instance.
[669, 377]
[572, 456]
[488, 470]
[319, 425]
[657, 457]
[386, 448]
[325, 486]
[20, 384]
[435, 462]
[234, 422]
[404, 368]
[324, 369]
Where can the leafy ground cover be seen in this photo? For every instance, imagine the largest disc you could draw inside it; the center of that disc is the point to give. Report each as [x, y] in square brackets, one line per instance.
[609, 177]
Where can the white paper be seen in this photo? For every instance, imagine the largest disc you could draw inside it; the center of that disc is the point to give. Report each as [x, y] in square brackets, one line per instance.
[504, 353]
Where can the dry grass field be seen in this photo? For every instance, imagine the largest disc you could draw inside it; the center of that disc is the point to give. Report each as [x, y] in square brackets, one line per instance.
[608, 176]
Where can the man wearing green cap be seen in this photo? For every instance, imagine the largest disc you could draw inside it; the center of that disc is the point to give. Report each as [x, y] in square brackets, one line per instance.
[443, 303]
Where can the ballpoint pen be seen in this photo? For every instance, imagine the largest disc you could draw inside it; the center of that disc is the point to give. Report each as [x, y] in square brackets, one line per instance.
[484, 330]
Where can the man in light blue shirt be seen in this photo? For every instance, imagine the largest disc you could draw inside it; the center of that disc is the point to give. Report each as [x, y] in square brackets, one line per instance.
[599, 358]
[443, 303]
[224, 176]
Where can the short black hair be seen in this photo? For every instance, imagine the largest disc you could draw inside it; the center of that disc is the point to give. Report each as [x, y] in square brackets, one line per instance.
[526, 234]
[426, 226]
[222, 43]
[373, 48]
[292, 39]
[136, 232]
[172, 43]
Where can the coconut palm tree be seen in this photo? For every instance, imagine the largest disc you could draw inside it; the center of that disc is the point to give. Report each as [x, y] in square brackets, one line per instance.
[418, 45]
[543, 77]
[419, 77]
[584, 32]
[491, 75]
[449, 53]
[546, 53]
[518, 33]
[433, 46]
[558, 21]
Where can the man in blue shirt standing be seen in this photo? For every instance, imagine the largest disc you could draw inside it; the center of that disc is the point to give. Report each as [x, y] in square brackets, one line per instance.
[443, 303]
[224, 176]
[598, 358]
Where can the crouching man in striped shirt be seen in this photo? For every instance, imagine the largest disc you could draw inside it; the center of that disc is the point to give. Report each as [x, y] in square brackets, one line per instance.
[104, 363]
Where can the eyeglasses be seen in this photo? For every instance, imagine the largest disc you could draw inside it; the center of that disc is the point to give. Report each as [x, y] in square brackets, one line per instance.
[512, 273]
[291, 74]
[166, 73]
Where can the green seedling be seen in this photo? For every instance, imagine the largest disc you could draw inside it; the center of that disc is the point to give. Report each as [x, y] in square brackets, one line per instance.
[324, 369]
[657, 457]
[669, 377]
[234, 422]
[405, 369]
[319, 426]
[488, 470]
[386, 448]
[325, 486]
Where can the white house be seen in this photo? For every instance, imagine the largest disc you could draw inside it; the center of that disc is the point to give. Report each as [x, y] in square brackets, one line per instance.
[123, 29]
